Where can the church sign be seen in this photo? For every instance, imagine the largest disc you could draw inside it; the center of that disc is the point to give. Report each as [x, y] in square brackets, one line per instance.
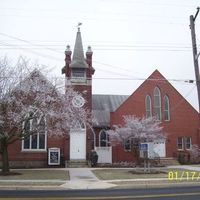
[54, 156]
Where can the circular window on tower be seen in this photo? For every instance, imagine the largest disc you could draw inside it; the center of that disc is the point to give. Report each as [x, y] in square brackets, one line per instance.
[78, 101]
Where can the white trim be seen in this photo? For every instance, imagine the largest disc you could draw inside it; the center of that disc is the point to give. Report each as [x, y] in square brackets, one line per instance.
[54, 150]
[181, 142]
[185, 142]
[78, 125]
[34, 150]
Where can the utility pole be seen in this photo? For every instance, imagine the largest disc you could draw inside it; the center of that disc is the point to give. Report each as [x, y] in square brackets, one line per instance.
[195, 53]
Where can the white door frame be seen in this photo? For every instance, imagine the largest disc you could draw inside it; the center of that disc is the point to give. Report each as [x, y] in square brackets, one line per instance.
[78, 144]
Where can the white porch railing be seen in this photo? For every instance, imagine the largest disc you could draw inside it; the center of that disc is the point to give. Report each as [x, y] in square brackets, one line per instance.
[104, 154]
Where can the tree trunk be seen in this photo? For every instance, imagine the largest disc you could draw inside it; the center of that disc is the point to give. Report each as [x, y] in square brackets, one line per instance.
[5, 161]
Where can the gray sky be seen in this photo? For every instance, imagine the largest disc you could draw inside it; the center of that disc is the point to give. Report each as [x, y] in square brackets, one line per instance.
[129, 38]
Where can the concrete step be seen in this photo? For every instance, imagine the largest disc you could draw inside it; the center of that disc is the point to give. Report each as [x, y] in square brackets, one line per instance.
[76, 163]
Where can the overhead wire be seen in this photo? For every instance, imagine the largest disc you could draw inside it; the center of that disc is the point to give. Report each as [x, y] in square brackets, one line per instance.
[26, 41]
[182, 100]
[128, 77]
[33, 52]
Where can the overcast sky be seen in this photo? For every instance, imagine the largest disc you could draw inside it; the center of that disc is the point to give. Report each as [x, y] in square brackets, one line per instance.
[129, 38]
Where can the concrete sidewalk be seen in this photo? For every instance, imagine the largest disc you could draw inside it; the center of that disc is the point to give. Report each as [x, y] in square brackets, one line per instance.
[186, 167]
[83, 178]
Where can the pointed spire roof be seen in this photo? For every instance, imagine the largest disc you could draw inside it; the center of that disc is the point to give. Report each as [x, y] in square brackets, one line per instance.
[78, 60]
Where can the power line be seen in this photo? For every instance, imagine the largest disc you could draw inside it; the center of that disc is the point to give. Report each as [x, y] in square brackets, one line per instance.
[124, 79]
[26, 41]
[148, 79]
[104, 46]
[51, 57]
[134, 48]
[128, 77]
[34, 52]
[183, 99]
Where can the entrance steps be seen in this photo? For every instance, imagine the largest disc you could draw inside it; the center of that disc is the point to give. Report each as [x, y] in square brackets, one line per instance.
[76, 163]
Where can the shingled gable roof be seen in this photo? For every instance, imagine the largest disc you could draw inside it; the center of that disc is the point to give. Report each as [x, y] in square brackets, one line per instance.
[102, 105]
[78, 60]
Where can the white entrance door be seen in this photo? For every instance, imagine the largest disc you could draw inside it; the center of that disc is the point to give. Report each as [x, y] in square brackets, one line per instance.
[77, 145]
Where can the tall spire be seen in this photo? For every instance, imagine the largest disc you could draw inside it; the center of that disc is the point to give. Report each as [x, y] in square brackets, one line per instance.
[78, 60]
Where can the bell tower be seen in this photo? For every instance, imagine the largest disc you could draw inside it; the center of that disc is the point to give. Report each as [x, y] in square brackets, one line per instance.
[78, 72]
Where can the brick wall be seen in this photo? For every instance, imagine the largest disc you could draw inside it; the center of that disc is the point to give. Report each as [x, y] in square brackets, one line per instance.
[184, 119]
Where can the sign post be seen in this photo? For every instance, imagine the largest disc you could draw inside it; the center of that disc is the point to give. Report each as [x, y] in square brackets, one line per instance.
[152, 150]
[144, 148]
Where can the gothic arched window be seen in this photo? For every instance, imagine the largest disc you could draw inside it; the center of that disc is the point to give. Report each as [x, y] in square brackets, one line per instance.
[103, 139]
[148, 106]
[157, 103]
[166, 108]
[78, 125]
[34, 129]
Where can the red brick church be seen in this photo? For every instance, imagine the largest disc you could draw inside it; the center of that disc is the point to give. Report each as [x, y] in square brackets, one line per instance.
[154, 97]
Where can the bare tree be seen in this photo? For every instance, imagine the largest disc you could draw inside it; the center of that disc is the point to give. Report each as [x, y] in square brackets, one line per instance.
[25, 96]
[136, 130]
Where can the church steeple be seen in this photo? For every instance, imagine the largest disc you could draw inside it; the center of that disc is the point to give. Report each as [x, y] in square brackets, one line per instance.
[78, 72]
[78, 69]
[78, 60]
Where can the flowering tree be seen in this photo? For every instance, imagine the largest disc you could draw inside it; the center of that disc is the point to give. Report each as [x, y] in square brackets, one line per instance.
[25, 99]
[194, 154]
[136, 130]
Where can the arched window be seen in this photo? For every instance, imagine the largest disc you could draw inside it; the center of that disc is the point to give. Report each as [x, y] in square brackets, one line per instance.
[77, 125]
[103, 139]
[148, 106]
[166, 108]
[157, 103]
[34, 128]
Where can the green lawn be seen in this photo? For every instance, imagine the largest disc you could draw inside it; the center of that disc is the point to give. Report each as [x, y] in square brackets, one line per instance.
[112, 174]
[38, 175]
[172, 174]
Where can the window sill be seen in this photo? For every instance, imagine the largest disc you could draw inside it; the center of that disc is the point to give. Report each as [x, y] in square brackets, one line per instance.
[33, 151]
[127, 150]
[78, 80]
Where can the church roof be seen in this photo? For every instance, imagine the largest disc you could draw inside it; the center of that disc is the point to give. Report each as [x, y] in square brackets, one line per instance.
[102, 105]
[78, 60]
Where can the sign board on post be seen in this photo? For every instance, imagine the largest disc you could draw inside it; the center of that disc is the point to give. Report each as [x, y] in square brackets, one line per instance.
[143, 146]
[159, 148]
[54, 156]
[144, 150]
[153, 150]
